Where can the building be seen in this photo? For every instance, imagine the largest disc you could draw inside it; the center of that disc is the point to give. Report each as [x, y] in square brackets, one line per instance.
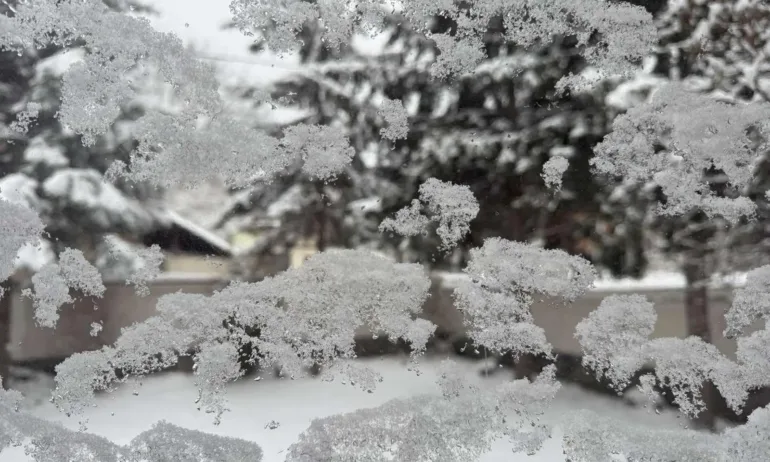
[196, 261]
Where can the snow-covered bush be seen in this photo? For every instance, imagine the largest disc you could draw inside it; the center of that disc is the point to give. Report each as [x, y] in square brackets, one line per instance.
[306, 316]
[309, 315]
[504, 279]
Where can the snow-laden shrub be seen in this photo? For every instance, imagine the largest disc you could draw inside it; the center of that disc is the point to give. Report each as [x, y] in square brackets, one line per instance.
[504, 279]
[309, 315]
[306, 316]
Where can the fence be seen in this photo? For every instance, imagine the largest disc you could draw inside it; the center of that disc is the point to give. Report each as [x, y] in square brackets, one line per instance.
[120, 307]
[559, 322]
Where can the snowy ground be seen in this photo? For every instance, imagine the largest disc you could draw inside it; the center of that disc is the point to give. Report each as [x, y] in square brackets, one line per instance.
[123, 414]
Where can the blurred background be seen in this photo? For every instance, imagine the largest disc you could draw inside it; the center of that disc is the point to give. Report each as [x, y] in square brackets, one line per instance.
[492, 131]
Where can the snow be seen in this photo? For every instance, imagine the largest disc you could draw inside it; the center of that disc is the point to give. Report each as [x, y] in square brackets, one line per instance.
[34, 257]
[173, 276]
[662, 280]
[19, 189]
[653, 280]
[59, 62]
[87, 189]
[368, 204]
[289, 201]
[201, 204]
[120, 416]
[39, 151]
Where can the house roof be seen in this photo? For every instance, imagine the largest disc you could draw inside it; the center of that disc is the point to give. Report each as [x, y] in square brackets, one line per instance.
[208, 236]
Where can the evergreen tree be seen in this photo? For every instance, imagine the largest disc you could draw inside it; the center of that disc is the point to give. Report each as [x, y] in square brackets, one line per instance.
[716, 48]
[45, 167]
[493, 130]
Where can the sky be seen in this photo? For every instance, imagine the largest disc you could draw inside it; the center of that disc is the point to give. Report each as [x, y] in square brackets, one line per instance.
[199, 24]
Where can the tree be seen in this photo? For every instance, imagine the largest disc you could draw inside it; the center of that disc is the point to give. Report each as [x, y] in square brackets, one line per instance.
[46, 167]
[311, 313]
[717, 48]
[493, 130]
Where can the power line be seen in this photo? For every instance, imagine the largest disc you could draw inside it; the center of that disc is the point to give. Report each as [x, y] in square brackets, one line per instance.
[241, 60]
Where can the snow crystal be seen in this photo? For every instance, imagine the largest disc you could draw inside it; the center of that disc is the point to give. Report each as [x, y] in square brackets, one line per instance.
[51, 292]
[396, 118]
[459, 425]
[26, 117]
[325, 150]
[613, 337]
[95, 329]
[306, 315]
[408, 221]
[137, 265]
[689, 122]
[79, 273]
[553, 170]
[452, 206]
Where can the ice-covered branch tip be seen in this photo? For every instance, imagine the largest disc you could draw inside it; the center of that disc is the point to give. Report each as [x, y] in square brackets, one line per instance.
[504, 276]
[452, 206]
[699, 132]
[306, 316]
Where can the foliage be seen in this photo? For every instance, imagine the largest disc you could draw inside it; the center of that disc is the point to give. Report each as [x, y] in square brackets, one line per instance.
[46, 167]
[309, 315]
[493, 130]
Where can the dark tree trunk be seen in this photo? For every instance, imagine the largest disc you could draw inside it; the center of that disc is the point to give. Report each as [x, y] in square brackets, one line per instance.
[696, 312]
[5, 330]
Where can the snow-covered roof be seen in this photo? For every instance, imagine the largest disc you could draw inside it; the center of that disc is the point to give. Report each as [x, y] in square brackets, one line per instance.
[178, 276]
[207, 235]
